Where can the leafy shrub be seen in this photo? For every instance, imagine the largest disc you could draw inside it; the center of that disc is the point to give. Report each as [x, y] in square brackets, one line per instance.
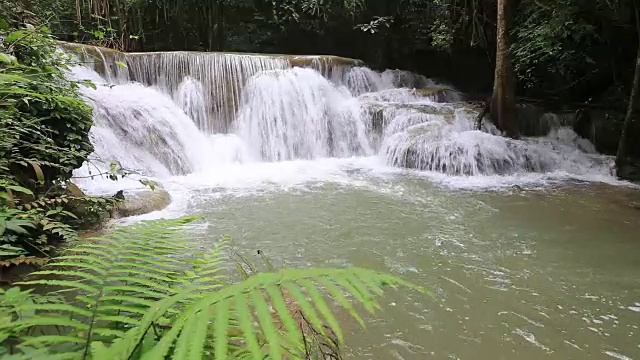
[44, 124]
[139, 295]
[44, 136]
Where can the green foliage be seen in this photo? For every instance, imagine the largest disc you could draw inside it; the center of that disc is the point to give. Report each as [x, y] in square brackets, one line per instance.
[44, 124]
[29, 228]
[44, 136]
[552, 38]
[568, 46]
[140, 294]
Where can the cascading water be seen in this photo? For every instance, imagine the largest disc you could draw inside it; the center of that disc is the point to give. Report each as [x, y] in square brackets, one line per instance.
[221, 76]
[142, 128]
[360, 80]
[274, 112]
[191, 98]
[442, 138]
[298, 114]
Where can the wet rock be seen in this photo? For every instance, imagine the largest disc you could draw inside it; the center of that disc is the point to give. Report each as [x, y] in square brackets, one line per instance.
[143, 202]
[630, 172]
[436, 146]
[318, 61]
[439, 94]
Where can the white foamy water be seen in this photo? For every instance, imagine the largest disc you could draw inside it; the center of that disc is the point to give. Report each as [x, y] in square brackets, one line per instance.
[298, 114]
[191, 98]
[294, 125]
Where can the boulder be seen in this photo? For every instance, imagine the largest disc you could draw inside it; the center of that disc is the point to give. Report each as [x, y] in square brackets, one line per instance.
[141, 202]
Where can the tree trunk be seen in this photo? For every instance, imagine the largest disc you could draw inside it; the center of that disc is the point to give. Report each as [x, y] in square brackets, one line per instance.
[503, 105]
[621, 154]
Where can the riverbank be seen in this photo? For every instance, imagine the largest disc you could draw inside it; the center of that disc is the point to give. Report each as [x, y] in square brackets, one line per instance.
[139, 202]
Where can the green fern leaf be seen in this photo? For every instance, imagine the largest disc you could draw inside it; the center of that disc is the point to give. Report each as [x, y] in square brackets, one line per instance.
[136, 297]
[196, 344]
[246, 324]
[162, 348]
[144, 283]
[144, 303]
[83, 260]
[51, 340]
[141, 310]
[292, 330]
[89, 267]
[134, 289]
[50, 321]
[306, 307]
[62, 283]
[236, 293]
[70, 273]
[266, 321]
[318, 300]
[117, 319]
[221, 325]
[66, 308]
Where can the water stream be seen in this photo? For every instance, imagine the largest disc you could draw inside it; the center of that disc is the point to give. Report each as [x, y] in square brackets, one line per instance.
[530, 246]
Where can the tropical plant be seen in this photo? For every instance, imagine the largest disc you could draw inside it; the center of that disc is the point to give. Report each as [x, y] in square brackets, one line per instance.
[44, 136]
[141, 293]
[44, 124]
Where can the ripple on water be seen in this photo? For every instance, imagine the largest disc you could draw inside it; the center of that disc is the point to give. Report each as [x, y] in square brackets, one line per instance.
[493, 260]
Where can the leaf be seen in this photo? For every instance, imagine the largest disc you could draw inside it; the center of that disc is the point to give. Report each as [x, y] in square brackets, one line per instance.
[149, 183]
[4, 24]
[6, 58]
[16, 35]
[74, 190]
[246, 324]
[8, 250]
[266, 321]
[221, 331]
[14, 78]
[129, 288]
[19, 189]
[17, 226]
[23, 260]
[38, 170]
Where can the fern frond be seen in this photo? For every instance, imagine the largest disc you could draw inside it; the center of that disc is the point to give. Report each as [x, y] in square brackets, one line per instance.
[242, 302]
[115, 280]
[138, 295]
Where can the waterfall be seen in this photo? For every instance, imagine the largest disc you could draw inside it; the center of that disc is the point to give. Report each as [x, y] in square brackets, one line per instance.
[425, 135]
[222, 77]
[192, 100]
[298, 114]
[143, 128]
[360, 80]
[172, 114]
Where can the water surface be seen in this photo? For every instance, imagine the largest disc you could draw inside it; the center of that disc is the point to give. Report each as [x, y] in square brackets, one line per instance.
[537, 272]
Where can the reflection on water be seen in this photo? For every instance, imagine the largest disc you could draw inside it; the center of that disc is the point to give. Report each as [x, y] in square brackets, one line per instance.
[527, 274]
